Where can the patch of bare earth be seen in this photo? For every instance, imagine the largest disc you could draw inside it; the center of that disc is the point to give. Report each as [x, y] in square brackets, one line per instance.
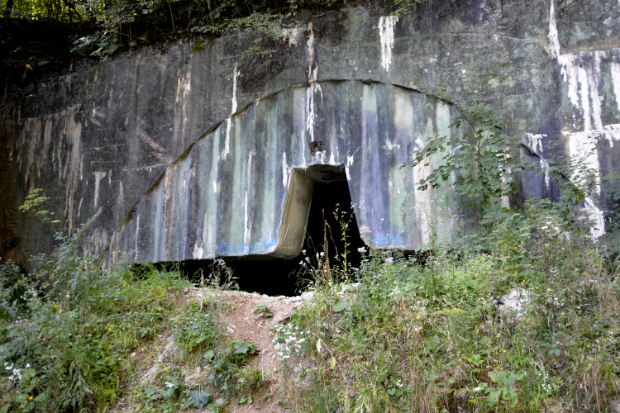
[244, 325]
[237, 312]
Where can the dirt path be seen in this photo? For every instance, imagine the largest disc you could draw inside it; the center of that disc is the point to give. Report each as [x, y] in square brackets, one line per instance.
[243, 324]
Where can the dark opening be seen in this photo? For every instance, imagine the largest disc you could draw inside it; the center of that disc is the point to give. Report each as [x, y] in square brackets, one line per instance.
[282, 277]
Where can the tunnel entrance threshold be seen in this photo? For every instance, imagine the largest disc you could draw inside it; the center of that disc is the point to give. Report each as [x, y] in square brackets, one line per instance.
[329, 191]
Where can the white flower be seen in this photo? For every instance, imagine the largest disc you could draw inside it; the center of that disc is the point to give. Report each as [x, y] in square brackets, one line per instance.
[389, 260]
[361, 250]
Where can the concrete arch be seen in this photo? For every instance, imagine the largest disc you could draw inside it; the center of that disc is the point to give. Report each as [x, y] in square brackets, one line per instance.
[244, 187]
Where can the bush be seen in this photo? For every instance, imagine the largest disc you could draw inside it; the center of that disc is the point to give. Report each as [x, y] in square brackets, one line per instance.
[432, 338]
[197, 329]
[67, 329]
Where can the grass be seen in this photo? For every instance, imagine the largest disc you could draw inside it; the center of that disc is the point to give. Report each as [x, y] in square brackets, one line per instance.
[408, 337]
[76, 338]
[396, 335]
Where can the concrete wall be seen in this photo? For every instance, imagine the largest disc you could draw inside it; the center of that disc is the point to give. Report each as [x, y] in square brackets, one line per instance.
[190, 148]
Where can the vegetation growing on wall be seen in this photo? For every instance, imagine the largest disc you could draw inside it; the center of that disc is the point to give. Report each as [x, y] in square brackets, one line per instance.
[101, 27]
[525, 318]
[464, 332]
[37, 32]
[69, 332]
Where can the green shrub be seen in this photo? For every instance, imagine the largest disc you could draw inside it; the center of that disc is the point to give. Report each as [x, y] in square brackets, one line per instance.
[427, 338]
[68, 327]
[198, 329]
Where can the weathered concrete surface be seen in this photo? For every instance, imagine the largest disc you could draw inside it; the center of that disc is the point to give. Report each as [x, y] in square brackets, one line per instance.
[227, 194]
[191, 153]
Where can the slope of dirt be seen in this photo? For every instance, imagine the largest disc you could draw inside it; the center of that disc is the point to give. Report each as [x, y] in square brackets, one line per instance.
[244, 325]
[237, 312]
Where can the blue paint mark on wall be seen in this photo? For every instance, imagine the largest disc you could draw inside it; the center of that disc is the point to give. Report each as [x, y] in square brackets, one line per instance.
[389, 241]
[239, 248]
[270, 243]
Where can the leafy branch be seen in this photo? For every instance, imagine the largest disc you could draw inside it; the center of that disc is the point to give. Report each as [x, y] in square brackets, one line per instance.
[480, 160]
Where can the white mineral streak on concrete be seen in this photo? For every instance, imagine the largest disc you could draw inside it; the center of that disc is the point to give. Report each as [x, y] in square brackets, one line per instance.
[390, 145]
[582, 72]
[310, 51]
[198, 252]
[596, 99]
[347, 165]
[615, 77]
[210, 224]
[423, 199]
[596, 215]
[386, 33]
[98, 177]
[504, 200]
[226, 150]
[535, 143]
[333, 146]
[80, 208]
[247, 225]
[182, 101]
[584, 88]
[583, 147]
[311, 93]
[121, 195]
[136, 239]
[612, 133]
[286, 171]
[554, 41]
[319, 157]
[313, 89]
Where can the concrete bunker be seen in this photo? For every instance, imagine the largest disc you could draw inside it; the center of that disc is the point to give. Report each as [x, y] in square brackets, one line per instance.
[308, 219]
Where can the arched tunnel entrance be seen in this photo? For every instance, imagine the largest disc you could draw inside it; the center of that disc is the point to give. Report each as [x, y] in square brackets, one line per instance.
[283, 276]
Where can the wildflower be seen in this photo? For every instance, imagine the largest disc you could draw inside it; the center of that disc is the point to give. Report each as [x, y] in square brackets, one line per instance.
[361, 250]
[504, 351]
[30, 398]
[221, 262]
[389, 260]
[119, 358]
